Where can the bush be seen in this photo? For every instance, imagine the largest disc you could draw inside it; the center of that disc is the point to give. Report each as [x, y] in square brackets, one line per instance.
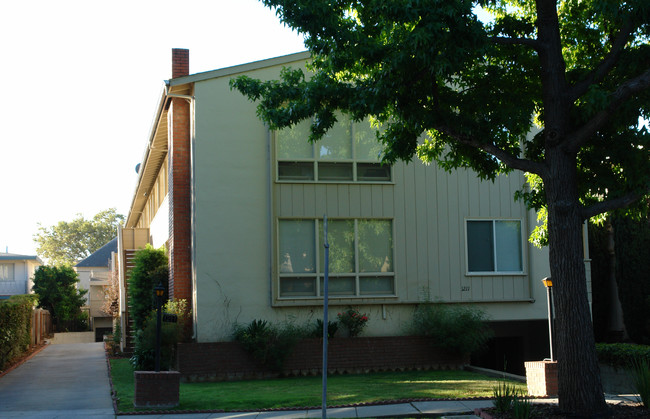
[353, 321]
[317, 331]
[460, 329]
[268, 344]
[621, 355]
[144, 354]
[56, 287]
[150, 268]
[15, 327]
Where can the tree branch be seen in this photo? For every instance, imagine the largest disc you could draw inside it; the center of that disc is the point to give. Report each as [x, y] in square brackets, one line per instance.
[612, 204]
[509, 159]
[502, 40]
[603, 68]
[620, 95]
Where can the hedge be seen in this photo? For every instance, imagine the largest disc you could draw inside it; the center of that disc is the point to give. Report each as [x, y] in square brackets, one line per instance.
[621, 354]
[15, 326]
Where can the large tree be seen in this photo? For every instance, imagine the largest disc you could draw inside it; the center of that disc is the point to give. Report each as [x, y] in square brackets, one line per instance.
[69, 242]
[56, 287]
[552, 88]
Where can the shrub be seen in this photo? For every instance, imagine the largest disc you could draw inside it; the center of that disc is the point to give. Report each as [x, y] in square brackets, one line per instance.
[621, 355]
[521, 407]
[150, 268]
[268, 344]
[353, 321]
[453, 328]
[56, 287]
[15, 327]
[144, 354]
[504, 394]
[317, 331]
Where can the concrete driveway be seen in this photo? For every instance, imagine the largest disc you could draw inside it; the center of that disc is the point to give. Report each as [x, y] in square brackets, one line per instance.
[61, 381]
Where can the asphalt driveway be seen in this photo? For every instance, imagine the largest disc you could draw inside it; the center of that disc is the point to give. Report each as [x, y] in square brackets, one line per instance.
[61, 381]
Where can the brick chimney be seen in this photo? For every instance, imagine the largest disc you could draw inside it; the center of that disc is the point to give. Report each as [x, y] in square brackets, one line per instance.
[180, 62]
[180, 222]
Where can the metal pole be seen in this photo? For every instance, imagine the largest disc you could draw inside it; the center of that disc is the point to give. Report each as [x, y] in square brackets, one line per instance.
[158, 324]
[550, 320]
[325, 317]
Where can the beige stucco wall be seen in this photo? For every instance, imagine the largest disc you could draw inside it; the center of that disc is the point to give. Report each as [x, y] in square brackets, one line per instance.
[233, 228]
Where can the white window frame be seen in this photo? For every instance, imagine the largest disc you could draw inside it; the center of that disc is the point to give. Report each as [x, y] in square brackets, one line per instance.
[494, 248]
[316, 161]
[318, 275]
[4, 272]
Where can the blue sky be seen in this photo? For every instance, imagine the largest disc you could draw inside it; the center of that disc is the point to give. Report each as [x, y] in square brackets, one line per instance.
[81, 80]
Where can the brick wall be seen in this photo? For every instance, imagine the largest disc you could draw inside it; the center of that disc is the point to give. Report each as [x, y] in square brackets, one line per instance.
[541, 378]
[156, 389]
[179, 188]
[228, 361]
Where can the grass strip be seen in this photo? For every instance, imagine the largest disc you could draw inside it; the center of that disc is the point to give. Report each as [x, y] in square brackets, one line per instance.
[306, 391]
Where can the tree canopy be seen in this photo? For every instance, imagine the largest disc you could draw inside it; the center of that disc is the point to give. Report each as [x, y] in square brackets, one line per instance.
[557, 89]
[56, 287]
[69, 242]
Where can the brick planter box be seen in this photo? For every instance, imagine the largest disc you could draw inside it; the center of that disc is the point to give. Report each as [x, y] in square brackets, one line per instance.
[156, 389]
[221, 361]
[541, 378]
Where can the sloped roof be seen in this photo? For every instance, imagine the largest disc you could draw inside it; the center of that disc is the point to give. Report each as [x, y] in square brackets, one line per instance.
[101, 256]
[14, 256]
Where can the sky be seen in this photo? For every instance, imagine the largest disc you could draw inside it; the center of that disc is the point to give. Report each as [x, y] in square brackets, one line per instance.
[81, 81]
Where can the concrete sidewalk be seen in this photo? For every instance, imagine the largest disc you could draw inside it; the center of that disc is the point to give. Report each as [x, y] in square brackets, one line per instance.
[61, 381]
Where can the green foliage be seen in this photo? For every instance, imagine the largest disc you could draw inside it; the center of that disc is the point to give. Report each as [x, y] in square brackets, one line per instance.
[15, 326]
[621, 355]
[353, 321]
[504, 394]
[150, 268]
[269, 344]
[453, 328]
[317, 331]
[641, 379]
[144, 353]
[69, 242]
[56, 287]
[521, 407]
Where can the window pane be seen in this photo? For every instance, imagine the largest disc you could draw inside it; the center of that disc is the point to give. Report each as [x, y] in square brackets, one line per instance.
[297, 241]
[303, 287]
[480, 246]
[338, 285]
[337, 142]
[6, 272]
[334, 171]
[369, 172]
[341, 241]
[293, 142]
[377, 285]
[375, 246]
[368, 148]
[508, 239]
[295, 170]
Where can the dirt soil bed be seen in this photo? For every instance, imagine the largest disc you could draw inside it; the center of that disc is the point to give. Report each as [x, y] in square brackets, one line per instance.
[552, 411]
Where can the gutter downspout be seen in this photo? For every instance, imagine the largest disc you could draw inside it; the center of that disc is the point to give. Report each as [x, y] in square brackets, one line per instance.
[192, 101]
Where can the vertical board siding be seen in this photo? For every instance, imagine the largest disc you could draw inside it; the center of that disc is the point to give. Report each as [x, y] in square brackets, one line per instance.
[429, 208]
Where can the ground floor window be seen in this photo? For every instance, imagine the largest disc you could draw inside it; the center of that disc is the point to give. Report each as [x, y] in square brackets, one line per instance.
[360, 258]
[494, 246]
[6, 271]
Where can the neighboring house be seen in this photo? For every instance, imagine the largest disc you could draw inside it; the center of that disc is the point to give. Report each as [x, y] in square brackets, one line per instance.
[240, 210]
[94, 275]
[17, 274]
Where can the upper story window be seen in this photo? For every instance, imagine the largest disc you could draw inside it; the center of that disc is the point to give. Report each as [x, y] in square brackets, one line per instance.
[6, 272]
[349, 152]
[360, 258]
[494, 247]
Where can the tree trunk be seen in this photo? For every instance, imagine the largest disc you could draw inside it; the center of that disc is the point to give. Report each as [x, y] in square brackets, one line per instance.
[579, 385]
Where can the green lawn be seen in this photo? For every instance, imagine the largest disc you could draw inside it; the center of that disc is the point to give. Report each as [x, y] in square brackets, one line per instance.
[306, 391]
